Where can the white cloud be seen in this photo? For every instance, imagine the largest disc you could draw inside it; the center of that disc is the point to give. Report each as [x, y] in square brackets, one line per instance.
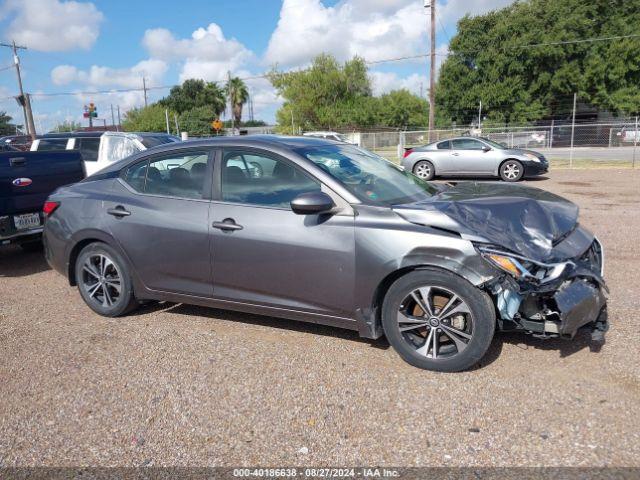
[52, 25]
[454, 10]
[107, 77]
[373, 29]
[384, 82]
[207, 54]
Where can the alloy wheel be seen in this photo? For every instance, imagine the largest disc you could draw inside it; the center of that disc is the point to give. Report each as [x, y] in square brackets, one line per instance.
[435, 322]
[101, 280]
[511, 171]
[423, 170]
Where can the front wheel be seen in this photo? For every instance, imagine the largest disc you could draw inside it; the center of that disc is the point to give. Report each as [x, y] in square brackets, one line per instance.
[104, 280]
[436, 320]
[511, 171]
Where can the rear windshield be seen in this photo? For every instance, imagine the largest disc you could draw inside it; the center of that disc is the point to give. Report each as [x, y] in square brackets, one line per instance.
[155, 140]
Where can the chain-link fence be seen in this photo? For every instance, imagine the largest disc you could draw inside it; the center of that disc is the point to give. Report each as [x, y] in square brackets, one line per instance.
[612, 142]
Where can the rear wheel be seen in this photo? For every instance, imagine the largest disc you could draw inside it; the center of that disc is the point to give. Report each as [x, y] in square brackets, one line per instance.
[424, 170]
[104, 280]
[511, 171]
[438, 321]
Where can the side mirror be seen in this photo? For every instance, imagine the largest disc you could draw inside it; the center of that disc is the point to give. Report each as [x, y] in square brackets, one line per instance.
[312, 203]
[486, 148]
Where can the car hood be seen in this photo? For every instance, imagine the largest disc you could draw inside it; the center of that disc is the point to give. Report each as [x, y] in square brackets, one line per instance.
[525, 220]
[521, 152]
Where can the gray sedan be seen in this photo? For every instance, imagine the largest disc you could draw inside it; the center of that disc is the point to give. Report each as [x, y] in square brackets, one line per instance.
[467, 156]
[325, 232]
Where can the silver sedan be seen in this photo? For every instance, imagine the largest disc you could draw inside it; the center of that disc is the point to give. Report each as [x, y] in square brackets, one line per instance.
[473, 156]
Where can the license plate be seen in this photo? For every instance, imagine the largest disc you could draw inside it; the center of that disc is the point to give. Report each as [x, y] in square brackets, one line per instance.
[26, 221]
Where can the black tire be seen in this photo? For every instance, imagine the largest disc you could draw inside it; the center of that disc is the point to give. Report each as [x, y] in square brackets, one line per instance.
[479, 322]
[511, 171]
[32, 246]
[112, 303]
[424, 170]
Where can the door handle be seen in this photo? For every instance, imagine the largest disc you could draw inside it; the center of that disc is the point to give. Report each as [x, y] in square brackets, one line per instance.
[228, 224]
[455, 154]
[17, 161]
[119, 211]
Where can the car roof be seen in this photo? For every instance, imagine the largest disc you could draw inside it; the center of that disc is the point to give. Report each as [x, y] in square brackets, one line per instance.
[71, 135]
[288, 142]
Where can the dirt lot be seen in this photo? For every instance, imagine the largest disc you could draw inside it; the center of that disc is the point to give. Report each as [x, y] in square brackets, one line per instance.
[182, 385]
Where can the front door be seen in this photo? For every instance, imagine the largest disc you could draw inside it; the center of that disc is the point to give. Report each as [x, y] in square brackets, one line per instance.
[470, 156]
[159, 212]
[265, 254]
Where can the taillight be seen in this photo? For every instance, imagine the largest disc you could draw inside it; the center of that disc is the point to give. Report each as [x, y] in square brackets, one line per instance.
[407, 152]
[49, 208]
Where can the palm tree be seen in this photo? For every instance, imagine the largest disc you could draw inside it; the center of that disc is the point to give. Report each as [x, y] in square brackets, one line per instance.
[238, 95]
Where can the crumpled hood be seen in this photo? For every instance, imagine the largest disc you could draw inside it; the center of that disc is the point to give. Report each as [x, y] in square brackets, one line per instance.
[526, 220]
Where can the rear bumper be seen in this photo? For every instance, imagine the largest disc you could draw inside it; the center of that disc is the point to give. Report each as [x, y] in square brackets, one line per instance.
[9, 234]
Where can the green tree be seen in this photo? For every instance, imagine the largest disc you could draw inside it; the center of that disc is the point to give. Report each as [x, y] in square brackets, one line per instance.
[401, 108]
[236, 91]
[197, 121]
[68, 126]
[195, 93]
[488, 61]
[323, 96]
[147, 119]
[6, 127]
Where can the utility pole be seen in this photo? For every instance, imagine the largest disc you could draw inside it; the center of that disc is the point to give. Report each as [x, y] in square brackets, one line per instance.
[144, 87]
[119, 122]
[432, 69]
[480, 115]
[23, 99]
[113, 117]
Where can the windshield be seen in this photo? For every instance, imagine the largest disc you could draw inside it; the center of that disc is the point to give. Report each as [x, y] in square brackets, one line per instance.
[369, 177]
[493, 144]
[155, 140]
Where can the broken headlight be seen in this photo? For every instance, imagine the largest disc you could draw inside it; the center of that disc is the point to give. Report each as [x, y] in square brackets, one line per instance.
[522, 268]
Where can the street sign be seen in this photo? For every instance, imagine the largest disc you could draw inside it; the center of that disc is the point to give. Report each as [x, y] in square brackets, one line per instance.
[216, 124]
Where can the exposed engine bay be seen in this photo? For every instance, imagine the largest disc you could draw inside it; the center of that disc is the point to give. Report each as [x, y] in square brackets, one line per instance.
[550, 300]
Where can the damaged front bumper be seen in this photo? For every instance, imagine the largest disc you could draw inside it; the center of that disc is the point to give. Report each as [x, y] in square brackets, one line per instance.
[554, 300]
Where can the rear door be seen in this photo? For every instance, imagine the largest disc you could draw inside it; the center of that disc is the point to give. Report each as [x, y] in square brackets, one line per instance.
[159, 212]
[265, 254]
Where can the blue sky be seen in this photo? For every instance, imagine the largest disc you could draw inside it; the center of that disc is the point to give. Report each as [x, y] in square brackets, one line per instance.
[87, 46]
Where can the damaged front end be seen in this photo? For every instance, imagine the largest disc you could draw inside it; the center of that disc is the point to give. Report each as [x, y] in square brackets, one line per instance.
[549, 299]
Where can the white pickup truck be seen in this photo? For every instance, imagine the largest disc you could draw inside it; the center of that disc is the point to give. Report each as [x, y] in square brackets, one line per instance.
[100, 149]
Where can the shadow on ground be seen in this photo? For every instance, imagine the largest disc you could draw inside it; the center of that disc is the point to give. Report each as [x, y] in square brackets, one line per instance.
[14, 262]
[565, 348]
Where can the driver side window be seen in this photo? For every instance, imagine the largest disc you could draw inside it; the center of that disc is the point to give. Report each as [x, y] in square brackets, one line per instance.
[256, 179]
[467, 144]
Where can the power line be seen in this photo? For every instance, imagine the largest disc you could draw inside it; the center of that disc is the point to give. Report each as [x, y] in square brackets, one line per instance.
[368, 62]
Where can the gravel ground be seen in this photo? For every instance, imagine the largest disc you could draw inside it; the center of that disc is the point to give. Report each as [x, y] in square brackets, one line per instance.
[184, 385]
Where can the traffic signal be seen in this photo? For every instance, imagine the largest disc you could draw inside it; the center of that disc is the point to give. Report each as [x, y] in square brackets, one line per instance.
[90, 111]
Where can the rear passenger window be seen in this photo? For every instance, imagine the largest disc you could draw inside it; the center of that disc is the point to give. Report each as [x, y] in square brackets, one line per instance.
[88, 148]
[181, 175]
[446, 145]
[135, 176]
[52, 144]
